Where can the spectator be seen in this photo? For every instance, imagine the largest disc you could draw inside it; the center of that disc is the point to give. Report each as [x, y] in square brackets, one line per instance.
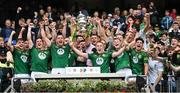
[164, 38]
[131, 12]
[178, 19]
[166, 21]
[6, 31]
[40, 14]
[153, 14]
[6, 67]
[110, 19]
[174, 31]
[124, 15]
[51, 15]
[174, 60]
[117, 11]
[173, 14]
[139, 7]
[157, 31]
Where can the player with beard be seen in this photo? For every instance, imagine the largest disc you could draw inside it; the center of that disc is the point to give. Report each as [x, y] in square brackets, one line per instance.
[139, 58]
[40, 54]
[20, 55]
[122, 62]
[100, 58]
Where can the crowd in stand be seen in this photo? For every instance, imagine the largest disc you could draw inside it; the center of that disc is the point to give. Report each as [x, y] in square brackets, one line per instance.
[131, 42]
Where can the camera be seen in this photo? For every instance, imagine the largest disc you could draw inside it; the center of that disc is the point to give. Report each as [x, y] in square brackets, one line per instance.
[3, 51]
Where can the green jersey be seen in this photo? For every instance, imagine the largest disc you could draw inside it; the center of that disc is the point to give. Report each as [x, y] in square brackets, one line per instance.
[72, 58]
[137, 61]
[176, 62]
[21, 62]
[75, 58]
[158, 33]
[39, 60]
[60, 56]
[122, 61]
[101, 60]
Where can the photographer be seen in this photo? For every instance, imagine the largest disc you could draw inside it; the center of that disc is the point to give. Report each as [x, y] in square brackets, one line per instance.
[5, 66]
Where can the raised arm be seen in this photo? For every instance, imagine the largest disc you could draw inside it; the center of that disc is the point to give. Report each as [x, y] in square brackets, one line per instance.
[64, 28]
[21, 32]
[147, 22]
[54, 34]
[17, 17]
[119, 52]
[9, 57]
[132, 43]
[85, 55]
[29, 36]
[44, 37]
[48, 33]
[9, 43]
[102, 31]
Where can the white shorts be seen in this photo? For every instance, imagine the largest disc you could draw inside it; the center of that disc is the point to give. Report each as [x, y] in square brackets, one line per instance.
[125, 71]
[58, 71]
[21, 76]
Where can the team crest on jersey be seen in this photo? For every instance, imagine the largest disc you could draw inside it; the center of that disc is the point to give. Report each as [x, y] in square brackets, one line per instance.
[99, 60]
[135, 59]
[60, 51]
[42, 56]
[24, 58]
